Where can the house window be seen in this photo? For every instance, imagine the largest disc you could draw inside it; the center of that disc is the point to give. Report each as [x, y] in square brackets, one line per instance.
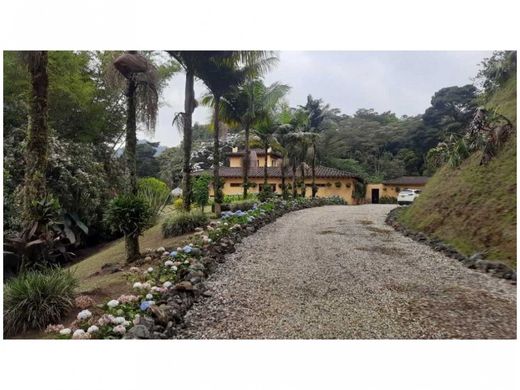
[235, 184]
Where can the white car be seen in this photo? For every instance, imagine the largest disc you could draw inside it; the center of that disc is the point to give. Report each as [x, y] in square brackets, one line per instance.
[407, 196]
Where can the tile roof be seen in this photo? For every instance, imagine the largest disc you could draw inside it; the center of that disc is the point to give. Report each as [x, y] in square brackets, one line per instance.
[408, 180]
[321, 171]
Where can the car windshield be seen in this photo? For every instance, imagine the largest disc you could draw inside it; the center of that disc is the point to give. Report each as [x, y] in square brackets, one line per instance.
[406, 192]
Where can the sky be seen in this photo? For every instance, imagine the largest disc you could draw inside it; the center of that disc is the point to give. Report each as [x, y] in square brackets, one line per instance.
[402, 82]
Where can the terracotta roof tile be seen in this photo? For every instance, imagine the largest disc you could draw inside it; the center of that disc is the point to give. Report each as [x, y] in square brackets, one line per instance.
[321, 171]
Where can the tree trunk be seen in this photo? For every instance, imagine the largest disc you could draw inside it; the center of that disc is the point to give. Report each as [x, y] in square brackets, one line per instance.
[131, 241]
[38, 137]
[216, 159]
[189, 99]
[314, 188]
[132, 248]
[131, 137]
[282, 169]
[302, 169]
[266, 146]
[294, 193]
[245, 164]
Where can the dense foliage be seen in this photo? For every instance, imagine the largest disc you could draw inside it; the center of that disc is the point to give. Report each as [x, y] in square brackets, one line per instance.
[128, 214]
[183, 222]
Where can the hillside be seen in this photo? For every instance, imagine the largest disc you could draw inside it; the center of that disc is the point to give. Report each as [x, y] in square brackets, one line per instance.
[473, 207]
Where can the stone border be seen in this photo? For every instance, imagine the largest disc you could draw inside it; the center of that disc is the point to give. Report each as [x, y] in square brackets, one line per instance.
[475, 261]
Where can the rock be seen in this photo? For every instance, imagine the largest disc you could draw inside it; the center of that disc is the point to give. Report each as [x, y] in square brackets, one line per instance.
[148, 258]
[160, 249]
[195, 252]
[137, 332]
[250, 229]
[476, 256]
[207, 294]
[147, 322]
[184, 286]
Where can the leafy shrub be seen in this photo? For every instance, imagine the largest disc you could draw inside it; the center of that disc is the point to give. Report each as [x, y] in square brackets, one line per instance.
[387, 200]
[201, 190]
[128, 214]
[46, 239]
[37, 298]
[245, 205]
[238, 198]
[154, 192]
[183, 222]
[266, 193]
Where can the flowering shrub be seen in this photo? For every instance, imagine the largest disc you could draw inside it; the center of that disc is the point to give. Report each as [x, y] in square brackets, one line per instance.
[120, 314]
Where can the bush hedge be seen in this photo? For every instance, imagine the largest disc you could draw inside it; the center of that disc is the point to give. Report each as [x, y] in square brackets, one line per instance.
[183, 222]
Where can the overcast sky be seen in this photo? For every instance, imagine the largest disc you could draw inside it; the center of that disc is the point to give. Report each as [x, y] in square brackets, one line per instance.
[402, 82]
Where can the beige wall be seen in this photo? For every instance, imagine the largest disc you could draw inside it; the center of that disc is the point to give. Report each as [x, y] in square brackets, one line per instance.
[236, 161]
[387, 190]
[344, 191]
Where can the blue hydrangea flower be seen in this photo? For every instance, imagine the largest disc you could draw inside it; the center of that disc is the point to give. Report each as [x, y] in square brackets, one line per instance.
[145, 305]
[173, 253]
[187, 249]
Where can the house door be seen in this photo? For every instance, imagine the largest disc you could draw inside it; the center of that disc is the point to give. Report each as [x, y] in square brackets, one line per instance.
[375, 195]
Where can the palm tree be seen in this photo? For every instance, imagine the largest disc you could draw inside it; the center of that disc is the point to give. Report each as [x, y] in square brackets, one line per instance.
[38, 135]
[317, 114]
[142, 99]
[295, 125]
[249, 105]
[191, 62]
[265, 131]
[222, 73]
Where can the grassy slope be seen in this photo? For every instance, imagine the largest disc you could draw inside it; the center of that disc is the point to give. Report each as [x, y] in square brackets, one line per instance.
[473, 207]
[114, 253]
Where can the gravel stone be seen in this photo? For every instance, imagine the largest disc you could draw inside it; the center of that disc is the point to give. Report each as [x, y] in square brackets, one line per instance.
[339, 272]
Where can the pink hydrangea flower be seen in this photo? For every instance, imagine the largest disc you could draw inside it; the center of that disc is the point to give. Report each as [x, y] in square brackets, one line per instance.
[84, 302]
[54, 328]
[120, 329]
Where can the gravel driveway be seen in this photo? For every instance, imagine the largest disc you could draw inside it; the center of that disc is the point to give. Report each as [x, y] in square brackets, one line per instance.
[339, 272]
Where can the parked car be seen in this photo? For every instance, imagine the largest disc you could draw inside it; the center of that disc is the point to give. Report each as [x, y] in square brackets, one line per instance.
[407, 196]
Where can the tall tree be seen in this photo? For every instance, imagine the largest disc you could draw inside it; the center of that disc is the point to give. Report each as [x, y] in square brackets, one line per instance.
[222, 73]
[193, 62]
[265, 131]
[316, 112]
[141, 92]
[247, 106]
[38, 134]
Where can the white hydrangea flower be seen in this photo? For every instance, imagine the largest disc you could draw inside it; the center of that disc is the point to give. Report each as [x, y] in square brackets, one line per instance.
[168, 263]
[78, 334]
[113, 303]
[126, 323]
[147, 286]
[149, 296]
[174, 268]
[119, 329]
[186, 262]
[179, 249]
[138, 285]
[150, 269]
[119, 320]
[93, 329]
[84, 314]
[66, 331]
[167, 284]
[155, 288]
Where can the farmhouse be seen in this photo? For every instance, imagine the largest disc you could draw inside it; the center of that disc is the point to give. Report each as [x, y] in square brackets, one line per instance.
[330, 181]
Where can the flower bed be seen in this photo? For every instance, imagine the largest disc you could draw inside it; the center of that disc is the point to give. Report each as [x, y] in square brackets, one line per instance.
[168, 282]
